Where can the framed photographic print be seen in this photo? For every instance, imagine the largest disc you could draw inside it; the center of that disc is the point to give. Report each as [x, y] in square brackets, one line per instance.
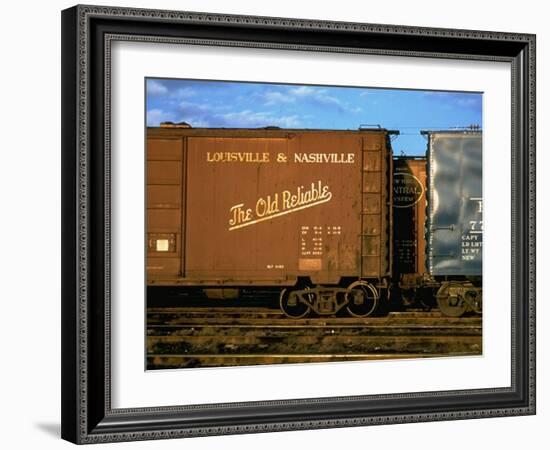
[278, 224]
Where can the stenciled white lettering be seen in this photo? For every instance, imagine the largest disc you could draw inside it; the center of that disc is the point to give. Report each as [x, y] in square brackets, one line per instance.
[241, 157]
[269, 207]
[319, 158]
[265, 157]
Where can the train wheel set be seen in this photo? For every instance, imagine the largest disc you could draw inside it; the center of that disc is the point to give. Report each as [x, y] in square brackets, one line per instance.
[362, 299]
[359, 299]
[457, 298]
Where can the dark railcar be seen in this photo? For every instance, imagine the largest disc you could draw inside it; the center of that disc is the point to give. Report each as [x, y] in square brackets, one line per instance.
[409, 218]
[454, 226]
[306, 210]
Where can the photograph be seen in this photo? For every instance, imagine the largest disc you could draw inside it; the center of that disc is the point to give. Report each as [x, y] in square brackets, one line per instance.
[294, 223]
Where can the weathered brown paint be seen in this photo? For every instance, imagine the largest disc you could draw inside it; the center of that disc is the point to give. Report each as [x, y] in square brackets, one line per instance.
[190, 194]
[164, 207]
[409, 219]
[163, 196]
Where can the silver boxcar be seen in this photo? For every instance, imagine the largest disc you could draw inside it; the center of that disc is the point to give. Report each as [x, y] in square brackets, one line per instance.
[454, 228]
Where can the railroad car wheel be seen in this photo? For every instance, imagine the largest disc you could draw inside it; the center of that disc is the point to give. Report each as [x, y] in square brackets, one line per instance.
[427, 299]
[450, 300]
[293, 309]
[408, 297]
[370, 300]
[476, 302]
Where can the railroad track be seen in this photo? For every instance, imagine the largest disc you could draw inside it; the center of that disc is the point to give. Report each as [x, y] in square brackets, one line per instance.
[195, 337]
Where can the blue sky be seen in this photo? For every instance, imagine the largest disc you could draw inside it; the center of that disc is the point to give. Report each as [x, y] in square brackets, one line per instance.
[251, 105]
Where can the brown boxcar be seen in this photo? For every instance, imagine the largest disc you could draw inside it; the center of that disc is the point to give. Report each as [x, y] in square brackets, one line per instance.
[409, 232]
[300, 209]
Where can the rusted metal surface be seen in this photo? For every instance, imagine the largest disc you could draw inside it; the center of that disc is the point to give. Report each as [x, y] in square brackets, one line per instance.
[376, 208]
[409, 215]
[264, 207]
[165, 181]
[455, 205]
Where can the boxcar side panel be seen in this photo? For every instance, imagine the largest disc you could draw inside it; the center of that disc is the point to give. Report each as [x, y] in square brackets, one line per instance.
[272, 209]
[165, 181]
[376, 199]
[455, 207]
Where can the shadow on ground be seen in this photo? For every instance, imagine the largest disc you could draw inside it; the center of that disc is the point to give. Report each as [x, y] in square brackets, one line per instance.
[53, 429]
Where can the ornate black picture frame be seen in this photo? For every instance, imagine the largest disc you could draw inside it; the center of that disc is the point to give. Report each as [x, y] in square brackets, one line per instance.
[87, 414]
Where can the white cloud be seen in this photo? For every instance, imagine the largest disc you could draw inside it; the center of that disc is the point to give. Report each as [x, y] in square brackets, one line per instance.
[273, 97]
[156, 116]
[253, 119]
[187, 106]
[320, 96]
[206, 115]
[156, 88]
[195, 122]
[315, 93]
[452, 99]
[305, 91]
[289, 121]
[311, 94]
[185, 92]
[467, 102]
